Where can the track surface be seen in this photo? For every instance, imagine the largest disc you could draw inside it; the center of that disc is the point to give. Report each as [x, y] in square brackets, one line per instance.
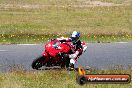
[99, 55]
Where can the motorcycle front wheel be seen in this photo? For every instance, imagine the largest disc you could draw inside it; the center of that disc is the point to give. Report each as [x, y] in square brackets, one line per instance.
[38, 62]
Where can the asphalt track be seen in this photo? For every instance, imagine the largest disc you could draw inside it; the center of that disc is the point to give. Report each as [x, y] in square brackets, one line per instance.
[97, 55]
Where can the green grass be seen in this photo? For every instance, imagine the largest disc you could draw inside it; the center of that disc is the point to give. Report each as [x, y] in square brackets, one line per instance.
[32, 38]
[105, 20]
[55, 79]
[44, 17]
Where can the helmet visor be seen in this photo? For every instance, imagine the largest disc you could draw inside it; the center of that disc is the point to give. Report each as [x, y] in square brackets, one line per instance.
[74, 39]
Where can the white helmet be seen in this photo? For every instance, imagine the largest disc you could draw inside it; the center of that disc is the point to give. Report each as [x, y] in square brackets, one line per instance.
[75, 36]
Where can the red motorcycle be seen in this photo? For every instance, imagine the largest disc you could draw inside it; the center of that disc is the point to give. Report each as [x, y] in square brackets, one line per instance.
[55, 54]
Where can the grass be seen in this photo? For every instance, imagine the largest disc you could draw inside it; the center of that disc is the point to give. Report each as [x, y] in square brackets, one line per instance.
[32, 38]
[55, 78]
[96, 20]
[54, 17]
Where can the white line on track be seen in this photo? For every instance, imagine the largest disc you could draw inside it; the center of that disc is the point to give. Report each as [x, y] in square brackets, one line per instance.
[111, 42]
[3, 50]
[121, 42]
[27, 44]
[39, 44]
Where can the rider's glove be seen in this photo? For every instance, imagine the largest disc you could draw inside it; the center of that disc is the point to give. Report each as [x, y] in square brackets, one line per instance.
[84, 48]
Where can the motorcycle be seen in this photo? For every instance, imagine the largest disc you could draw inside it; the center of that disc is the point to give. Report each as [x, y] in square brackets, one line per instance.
[55, 54]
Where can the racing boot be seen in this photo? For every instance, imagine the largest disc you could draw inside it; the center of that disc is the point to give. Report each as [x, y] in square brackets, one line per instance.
[71, 67]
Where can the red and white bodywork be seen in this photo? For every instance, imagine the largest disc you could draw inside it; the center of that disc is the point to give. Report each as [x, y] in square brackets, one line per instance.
[56, 54]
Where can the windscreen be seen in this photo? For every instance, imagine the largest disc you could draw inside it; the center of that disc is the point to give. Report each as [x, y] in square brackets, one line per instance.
[56, 44]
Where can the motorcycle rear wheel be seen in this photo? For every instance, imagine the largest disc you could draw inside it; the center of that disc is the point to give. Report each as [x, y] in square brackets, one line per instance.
[38, 62]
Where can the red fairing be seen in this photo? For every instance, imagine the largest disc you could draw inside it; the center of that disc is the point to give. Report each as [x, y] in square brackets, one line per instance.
[45, 54]
[55, 46]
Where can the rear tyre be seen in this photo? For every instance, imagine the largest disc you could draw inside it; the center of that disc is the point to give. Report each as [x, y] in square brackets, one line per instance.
[67, 62]
[65, 58]
[62, 66]
[38, 62]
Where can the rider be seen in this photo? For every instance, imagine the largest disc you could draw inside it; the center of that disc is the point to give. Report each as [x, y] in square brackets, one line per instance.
[79, 48]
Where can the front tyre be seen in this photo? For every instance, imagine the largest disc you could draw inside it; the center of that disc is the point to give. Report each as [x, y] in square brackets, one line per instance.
[38, 62]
